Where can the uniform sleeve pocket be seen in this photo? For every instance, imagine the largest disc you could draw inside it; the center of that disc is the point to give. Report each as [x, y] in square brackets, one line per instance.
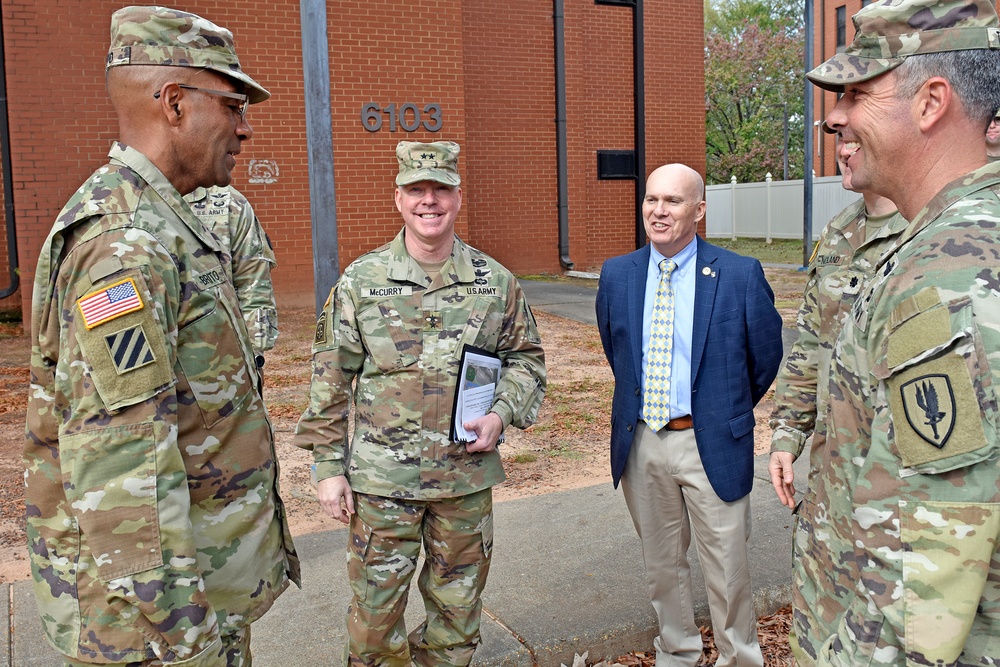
[938, 385]
[947, 548]
[126, 353]
[111, 487]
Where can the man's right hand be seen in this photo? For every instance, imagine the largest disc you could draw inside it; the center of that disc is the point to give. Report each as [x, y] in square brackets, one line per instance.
[780, 467]
[336, 498]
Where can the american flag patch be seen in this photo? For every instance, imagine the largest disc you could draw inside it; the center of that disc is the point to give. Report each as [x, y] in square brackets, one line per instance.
[109, 303]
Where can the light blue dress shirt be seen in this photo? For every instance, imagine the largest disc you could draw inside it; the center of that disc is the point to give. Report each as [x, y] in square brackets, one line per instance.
[682, 280]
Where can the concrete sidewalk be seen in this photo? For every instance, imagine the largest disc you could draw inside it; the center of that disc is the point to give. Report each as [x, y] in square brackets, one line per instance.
[567, 573]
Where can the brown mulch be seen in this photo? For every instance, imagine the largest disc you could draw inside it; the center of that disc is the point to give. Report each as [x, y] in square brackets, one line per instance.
[772, 631]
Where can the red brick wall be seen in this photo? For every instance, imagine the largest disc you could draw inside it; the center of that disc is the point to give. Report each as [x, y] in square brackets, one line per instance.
[488, 64]
[379, 53]
[510, 168]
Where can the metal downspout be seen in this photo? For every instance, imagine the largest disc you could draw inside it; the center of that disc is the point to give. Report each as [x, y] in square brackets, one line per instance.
[319, 140]
[639, 96]
[807, 180]
[562, 169]
[8, 178]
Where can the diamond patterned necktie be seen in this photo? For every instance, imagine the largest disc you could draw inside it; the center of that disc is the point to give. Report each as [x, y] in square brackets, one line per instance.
[656, 396]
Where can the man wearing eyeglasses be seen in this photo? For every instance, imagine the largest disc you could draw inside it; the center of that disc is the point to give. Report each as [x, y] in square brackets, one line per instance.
[155, 530]
[993, 139]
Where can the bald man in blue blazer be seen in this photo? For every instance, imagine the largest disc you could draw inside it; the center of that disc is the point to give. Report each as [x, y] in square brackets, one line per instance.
[691, 465]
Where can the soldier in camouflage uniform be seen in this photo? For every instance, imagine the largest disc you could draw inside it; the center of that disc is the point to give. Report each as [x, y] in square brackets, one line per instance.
[389, 340]
[228, 215]
[993, 139]
[850, 246]
[155, 530]
[912, 414]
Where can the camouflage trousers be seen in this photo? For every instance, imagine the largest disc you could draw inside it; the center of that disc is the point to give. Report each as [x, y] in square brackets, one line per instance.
[385, 540]
[824, 575]
[235, 645]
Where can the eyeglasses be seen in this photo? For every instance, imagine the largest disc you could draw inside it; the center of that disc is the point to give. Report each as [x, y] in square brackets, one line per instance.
[244, 99]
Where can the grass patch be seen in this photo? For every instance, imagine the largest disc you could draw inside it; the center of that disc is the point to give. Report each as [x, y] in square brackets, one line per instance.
[565, 451]
[787, 303]
[778, 251]
[524, 457]
[553, 278]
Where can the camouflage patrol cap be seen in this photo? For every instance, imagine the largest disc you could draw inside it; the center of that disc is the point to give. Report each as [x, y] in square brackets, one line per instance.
[436, 161]
[162, 36]
[889, 31]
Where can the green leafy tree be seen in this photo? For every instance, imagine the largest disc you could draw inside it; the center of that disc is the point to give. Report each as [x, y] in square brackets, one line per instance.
[753, 79]
[729, 16]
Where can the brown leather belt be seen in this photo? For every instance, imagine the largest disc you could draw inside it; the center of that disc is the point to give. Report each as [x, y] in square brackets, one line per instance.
[680, 423]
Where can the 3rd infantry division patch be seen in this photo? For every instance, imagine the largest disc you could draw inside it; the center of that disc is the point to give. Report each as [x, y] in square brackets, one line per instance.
[129, 349]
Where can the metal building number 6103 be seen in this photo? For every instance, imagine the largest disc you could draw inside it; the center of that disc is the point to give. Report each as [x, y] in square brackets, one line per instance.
[406, 116]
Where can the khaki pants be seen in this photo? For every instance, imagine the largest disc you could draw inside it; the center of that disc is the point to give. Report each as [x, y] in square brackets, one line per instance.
[668, 493]
[385, 540]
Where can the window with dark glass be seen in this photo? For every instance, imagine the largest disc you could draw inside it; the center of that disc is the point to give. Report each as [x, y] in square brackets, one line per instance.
[841, 27]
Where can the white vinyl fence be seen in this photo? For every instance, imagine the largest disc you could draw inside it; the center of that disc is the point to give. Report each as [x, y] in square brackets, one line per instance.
[773, 209]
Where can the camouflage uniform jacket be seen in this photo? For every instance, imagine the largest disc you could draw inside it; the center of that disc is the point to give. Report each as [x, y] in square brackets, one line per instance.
[397, 338]
[923, 340]
[151, 480]
[227, 214]
[841, 266]
[843, 260]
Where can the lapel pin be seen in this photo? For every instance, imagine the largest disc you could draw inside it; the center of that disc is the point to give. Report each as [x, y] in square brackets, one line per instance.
[707, 272]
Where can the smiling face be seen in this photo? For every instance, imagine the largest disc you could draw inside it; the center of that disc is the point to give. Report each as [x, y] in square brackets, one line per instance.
[429, 210]
[672, 208]
[875, 128]
[843, 152]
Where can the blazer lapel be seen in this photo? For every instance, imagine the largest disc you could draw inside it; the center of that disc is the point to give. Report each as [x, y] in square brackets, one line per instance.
[636, 295]
[705, 283]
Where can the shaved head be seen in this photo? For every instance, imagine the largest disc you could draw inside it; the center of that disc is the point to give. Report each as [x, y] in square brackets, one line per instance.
[692, 181]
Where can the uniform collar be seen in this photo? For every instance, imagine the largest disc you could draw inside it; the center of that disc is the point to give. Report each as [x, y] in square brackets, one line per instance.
[403, 268]
[140, 164]
[986, 176]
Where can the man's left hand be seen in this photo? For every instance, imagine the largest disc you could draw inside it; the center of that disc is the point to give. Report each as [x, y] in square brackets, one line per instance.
[487, 429]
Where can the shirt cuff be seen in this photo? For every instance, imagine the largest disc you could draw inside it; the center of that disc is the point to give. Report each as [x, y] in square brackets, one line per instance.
[789, 440]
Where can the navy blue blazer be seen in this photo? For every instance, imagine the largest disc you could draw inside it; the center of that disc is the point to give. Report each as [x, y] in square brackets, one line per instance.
[736, 351]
